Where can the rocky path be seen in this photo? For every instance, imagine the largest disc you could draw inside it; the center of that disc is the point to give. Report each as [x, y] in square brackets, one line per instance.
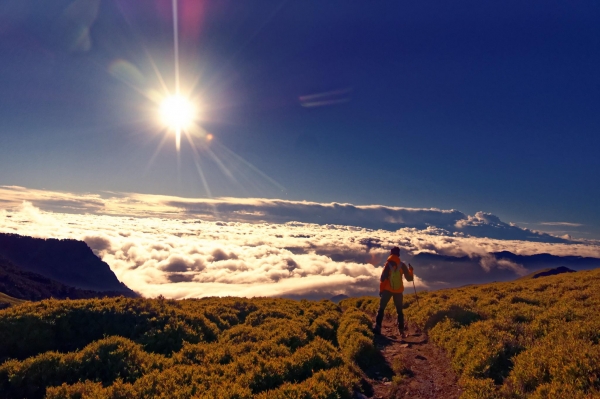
[413, 368]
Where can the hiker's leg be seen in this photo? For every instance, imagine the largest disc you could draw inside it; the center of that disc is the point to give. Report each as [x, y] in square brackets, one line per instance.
[398, 304]
[383, 301]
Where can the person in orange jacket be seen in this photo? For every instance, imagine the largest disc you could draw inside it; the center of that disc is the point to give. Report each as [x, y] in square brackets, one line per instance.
[391, 286]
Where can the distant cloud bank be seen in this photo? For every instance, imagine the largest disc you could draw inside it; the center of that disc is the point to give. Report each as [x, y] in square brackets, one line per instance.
[262, 247]
[261, 210]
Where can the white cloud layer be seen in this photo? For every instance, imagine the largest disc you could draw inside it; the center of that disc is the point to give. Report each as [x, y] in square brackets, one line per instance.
[257, 210]
[157, 246]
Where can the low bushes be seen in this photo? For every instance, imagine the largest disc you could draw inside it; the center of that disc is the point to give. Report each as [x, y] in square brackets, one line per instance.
[336, 383]
[182, 349]
[70, 325]
[559, 361]
[103, 361]
[355, 338]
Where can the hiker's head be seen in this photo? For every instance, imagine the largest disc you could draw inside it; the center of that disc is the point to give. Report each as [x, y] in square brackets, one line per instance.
[395, 251]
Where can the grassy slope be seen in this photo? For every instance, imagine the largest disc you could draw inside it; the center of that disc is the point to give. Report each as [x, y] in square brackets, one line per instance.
[9, 300]
[524, 339]
[215, 347]
[536, 338]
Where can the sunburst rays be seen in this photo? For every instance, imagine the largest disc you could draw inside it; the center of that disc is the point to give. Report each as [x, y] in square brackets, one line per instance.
[181, 112]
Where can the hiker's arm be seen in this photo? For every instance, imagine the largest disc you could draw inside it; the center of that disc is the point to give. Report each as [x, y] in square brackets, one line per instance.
[385, 272]
[408, 272]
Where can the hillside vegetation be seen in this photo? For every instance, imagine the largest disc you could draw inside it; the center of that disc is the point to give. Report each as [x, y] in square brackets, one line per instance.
[151, 348]
[29, 286]
[6, 301]
[68, 262]
[536, 338]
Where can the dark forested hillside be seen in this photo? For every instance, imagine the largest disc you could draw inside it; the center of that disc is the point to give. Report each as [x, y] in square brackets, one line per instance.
[31, 286]
[69, 262]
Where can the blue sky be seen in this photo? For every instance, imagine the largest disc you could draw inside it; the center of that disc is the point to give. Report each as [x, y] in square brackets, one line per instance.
[472, 106]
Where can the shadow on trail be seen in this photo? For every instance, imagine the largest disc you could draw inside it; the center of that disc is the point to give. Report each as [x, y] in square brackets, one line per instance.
[378, 368]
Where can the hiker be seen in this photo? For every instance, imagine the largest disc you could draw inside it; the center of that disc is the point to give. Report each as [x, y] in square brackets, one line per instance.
[391, 286]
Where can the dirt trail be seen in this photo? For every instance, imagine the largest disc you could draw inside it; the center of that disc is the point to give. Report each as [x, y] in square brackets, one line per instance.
[424, 370]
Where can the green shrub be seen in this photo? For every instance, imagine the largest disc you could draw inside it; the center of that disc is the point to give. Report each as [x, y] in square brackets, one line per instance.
[481, 351]
[213, 347]
[70, 325]
[29, 378]
[355, 338]
[316, 356]
[336, 383]
[326, 325]
[477, 388]
[80, 390]
[103, 361]
[558, 359]
[557, 390]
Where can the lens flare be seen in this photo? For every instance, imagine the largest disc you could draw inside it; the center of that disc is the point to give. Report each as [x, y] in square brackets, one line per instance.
[182, 110]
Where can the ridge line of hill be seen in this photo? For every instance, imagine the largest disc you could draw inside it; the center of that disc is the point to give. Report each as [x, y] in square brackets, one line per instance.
[68, 262]
[22, 285]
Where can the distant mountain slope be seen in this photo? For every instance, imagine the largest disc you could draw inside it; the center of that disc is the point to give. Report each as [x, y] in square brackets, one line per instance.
[548, 272]
[461, 271]
[540, 261]
[70, 262]
[552, 272]
[23, 285]
[338, 298]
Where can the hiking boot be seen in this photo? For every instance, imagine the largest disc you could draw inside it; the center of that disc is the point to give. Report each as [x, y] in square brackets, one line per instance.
[377, 330]
[401, 332]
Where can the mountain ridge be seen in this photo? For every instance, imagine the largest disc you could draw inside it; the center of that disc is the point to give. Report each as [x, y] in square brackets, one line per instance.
[464, 270]
[69, 262]
[21, 285]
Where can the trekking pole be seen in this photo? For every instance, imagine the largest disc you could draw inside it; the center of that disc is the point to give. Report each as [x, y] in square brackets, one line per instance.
[415, 288]
[416, 296]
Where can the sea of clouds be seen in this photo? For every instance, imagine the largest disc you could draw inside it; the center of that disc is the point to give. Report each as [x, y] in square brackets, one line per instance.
[176, 247]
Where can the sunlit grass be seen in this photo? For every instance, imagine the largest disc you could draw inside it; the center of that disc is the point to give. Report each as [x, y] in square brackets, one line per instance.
[212, 347]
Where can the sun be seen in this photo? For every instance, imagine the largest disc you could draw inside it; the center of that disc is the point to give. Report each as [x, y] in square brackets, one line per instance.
[178, 113]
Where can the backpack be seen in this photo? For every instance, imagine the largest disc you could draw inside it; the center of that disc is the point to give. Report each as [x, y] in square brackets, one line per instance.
[396, 278]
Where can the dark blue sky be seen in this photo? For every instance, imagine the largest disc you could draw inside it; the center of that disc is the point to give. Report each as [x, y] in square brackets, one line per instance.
[476, 105]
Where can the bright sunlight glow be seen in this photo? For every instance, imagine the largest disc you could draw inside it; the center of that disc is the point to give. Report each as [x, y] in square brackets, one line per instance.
[177, 112]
